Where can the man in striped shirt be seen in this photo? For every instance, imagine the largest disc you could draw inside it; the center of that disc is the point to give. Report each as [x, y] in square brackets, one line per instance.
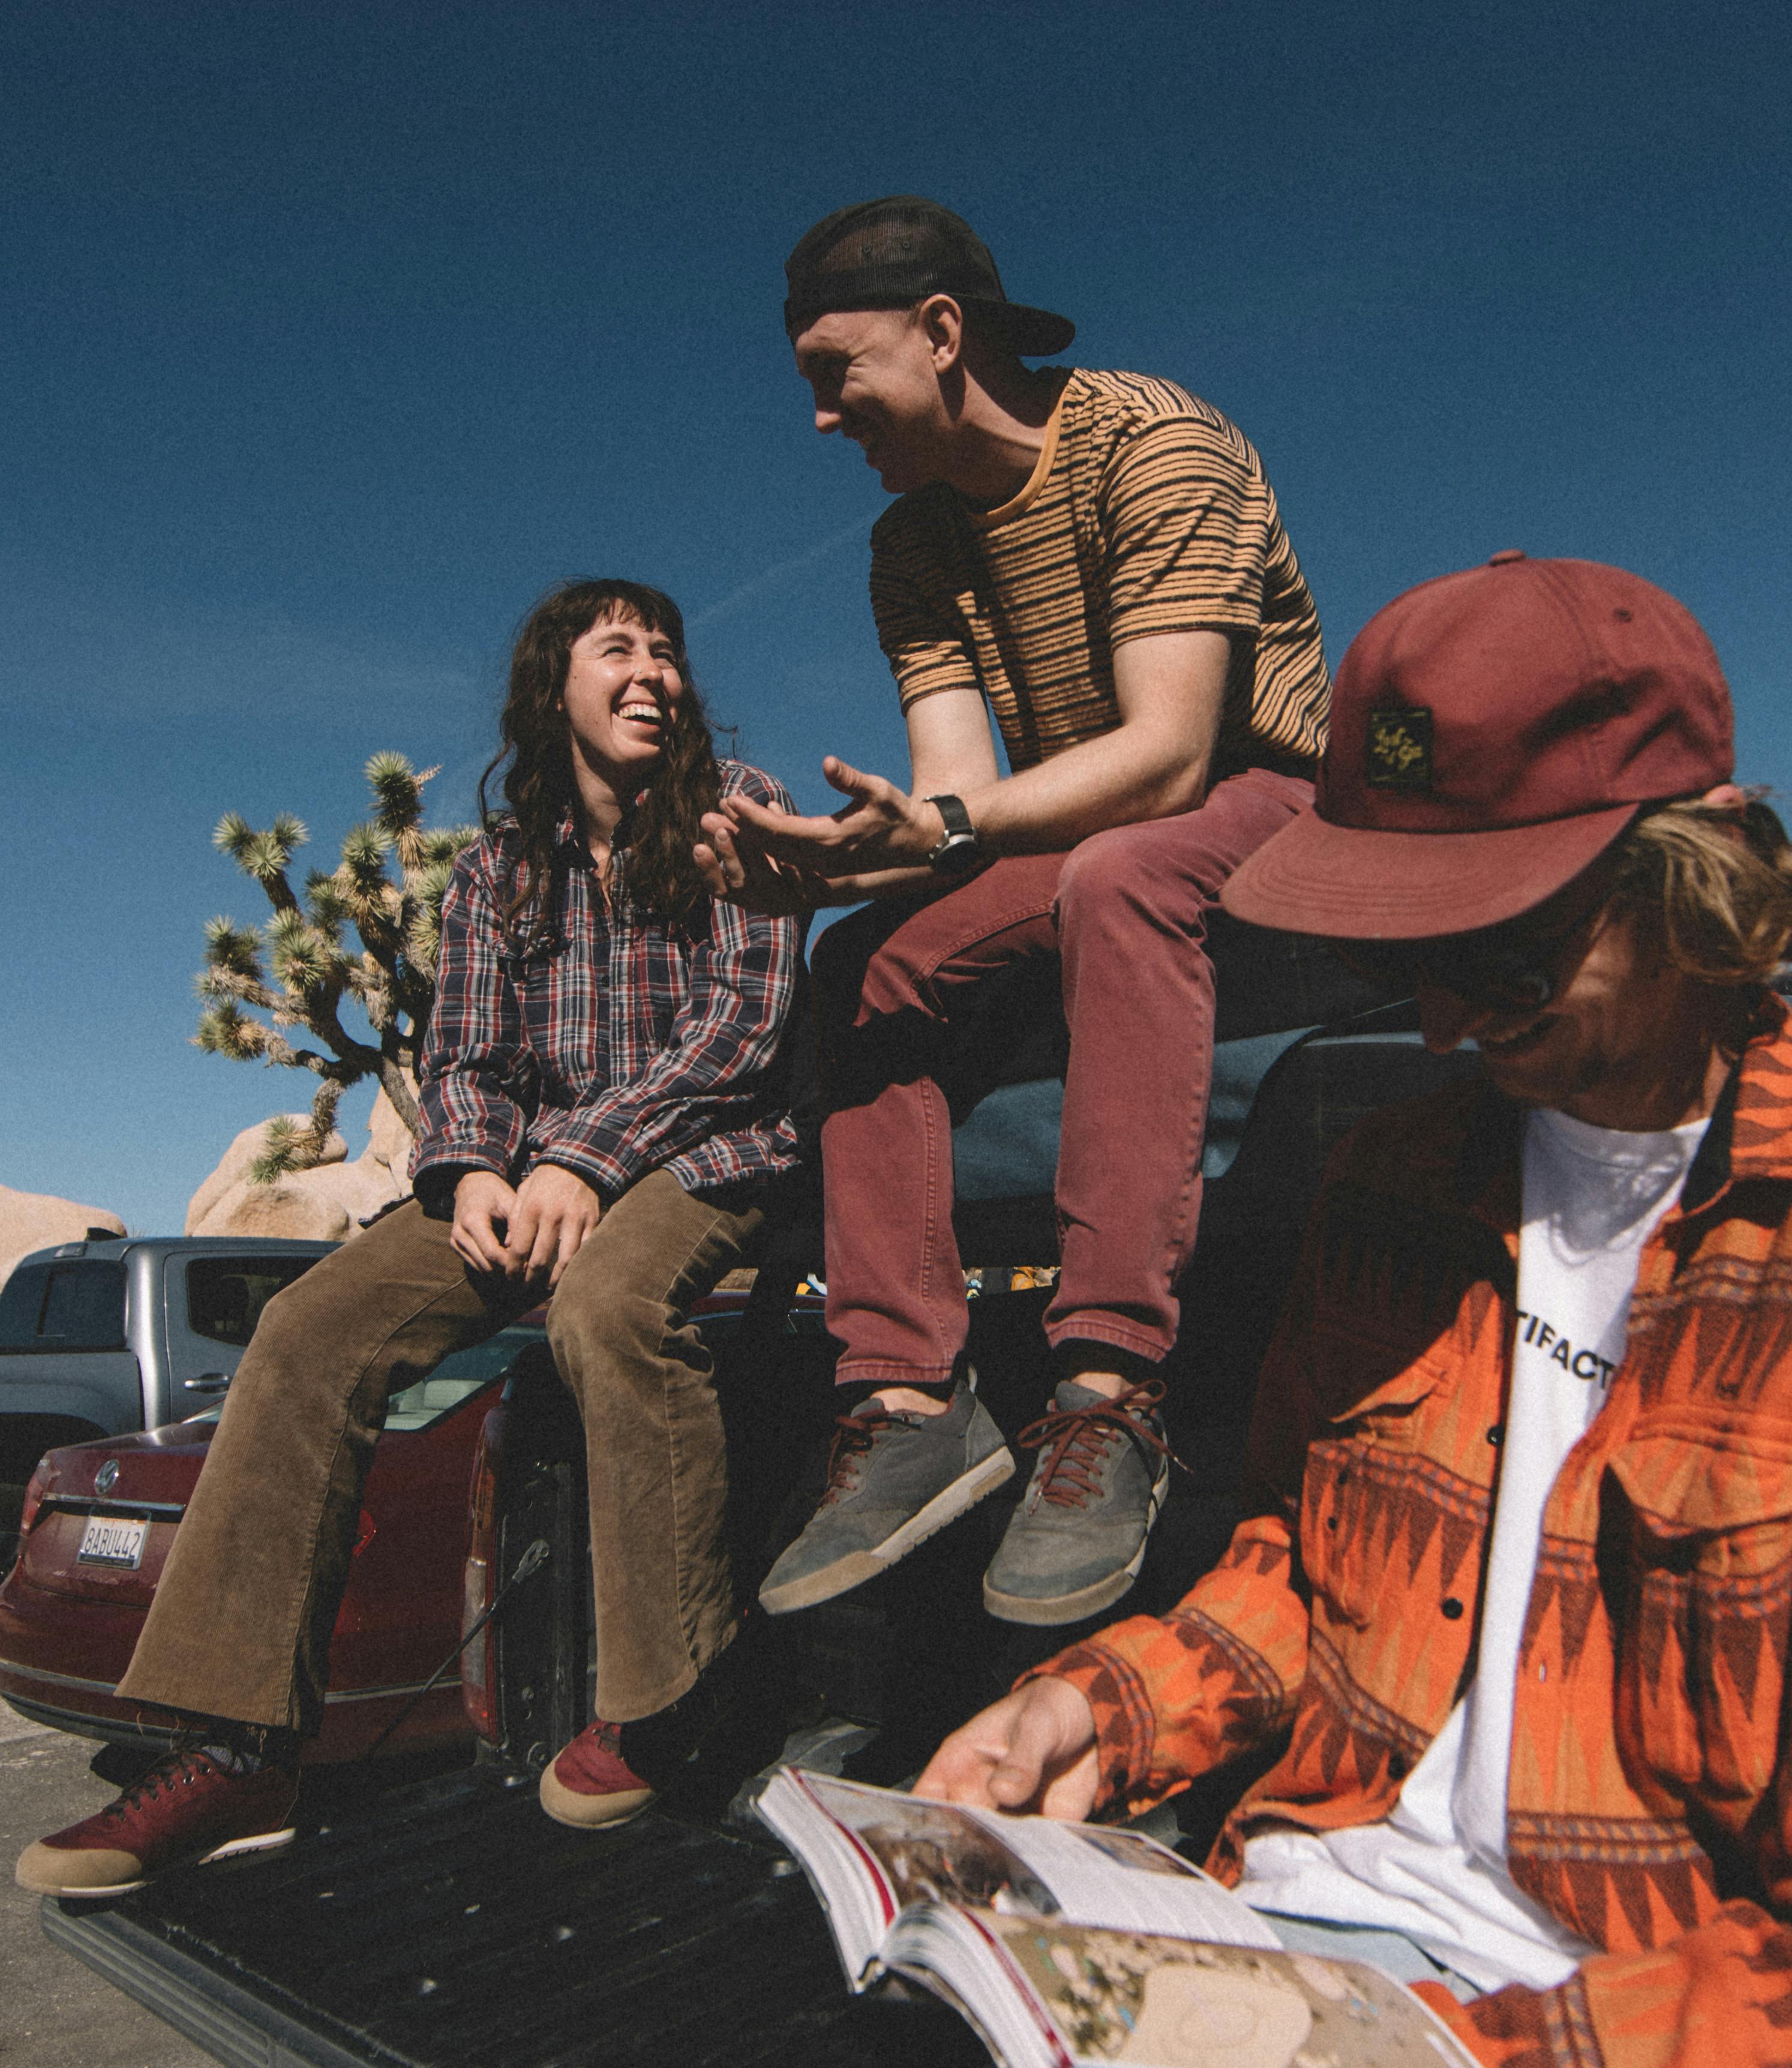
[1096, 557]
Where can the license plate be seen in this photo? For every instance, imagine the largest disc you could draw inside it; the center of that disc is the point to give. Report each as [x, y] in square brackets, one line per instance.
[112, 1540]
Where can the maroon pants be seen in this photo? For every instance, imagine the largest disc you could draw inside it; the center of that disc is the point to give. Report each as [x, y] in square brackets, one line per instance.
[919, 1000]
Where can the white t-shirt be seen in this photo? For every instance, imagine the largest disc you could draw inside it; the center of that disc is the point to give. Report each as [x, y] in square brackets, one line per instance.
[1434, 1867]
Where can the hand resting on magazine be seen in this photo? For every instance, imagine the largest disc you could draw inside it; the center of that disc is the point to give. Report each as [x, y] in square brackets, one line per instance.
[1033, 1752]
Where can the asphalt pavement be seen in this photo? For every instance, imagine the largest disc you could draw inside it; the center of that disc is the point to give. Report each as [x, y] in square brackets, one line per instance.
[54, 2012]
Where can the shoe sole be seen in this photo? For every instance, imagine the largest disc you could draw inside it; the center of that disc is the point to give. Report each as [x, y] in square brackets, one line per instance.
[1046, 1611]
[857, 1567]
[268, 1842]
[564, 1804]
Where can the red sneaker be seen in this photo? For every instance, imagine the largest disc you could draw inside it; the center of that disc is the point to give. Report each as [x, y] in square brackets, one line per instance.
[591, 1784]
[187, 1808]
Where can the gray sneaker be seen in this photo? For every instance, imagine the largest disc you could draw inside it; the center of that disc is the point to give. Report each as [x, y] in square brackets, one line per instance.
[893, 1479]
[1076, 1543]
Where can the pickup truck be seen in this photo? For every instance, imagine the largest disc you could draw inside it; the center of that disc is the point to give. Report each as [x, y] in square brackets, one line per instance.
[100, 1337]
[446, 1924]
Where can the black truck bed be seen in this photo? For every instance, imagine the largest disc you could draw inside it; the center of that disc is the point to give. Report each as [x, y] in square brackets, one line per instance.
[451, 1925]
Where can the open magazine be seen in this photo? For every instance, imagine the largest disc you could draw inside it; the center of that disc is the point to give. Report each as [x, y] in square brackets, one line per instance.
[1065, 1943]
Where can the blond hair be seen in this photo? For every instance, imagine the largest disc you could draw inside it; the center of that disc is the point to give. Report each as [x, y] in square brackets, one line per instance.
[1715, 882]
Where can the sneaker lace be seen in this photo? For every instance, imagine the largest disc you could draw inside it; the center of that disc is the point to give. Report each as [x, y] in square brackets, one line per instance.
[1075, 1440]
[179, 1770]
[853, 1436]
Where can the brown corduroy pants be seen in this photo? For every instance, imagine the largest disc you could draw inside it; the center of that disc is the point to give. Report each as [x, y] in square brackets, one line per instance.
[240, 1624]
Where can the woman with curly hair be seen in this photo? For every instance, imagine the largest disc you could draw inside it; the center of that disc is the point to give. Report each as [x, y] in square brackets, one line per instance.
[605, 1105]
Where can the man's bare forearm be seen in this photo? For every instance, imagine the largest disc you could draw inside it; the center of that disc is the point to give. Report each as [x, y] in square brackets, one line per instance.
[1117, 780]
[1152, 764]
[1171, 690]
[1044, 811]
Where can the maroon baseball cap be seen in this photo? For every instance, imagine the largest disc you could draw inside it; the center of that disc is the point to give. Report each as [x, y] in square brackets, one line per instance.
[1491, 732]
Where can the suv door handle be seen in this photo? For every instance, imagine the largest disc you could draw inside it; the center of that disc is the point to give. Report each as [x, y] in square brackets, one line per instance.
[207, 1381]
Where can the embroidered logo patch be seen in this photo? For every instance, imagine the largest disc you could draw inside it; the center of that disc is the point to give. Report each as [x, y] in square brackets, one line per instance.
[1400, 748]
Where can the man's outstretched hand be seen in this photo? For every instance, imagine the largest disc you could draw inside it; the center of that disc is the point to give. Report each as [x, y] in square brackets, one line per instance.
[880, 827]
[736, 869]
[1032, 1752]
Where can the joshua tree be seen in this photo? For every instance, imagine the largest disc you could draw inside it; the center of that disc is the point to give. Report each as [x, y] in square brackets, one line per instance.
[299, 968]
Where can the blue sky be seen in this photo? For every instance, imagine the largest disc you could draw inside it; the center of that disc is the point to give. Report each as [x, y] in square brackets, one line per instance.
[333, 333]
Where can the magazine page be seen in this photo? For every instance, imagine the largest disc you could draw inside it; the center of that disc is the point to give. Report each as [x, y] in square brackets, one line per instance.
[871, 1853]
[919, 1851]
[858, 1890]
[1101, 1875]
[1045, 1993]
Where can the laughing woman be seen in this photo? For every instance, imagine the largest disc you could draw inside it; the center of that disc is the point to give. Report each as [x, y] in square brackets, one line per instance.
[605, 1107]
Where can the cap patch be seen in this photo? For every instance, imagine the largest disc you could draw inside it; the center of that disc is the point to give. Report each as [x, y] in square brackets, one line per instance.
[1400, 748]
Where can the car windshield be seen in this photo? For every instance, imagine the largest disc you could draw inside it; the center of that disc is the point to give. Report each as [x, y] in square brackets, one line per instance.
[458, 1377]
[455, 1379]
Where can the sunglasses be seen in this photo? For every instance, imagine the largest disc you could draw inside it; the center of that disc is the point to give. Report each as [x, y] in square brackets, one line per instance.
[1517, 965]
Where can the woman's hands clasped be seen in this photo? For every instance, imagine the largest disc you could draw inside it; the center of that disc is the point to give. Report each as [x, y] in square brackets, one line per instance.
[528, 1230]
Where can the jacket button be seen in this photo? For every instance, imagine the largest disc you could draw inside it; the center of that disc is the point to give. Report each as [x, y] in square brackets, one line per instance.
[1495, 1434]
[1453, 1608]
[1399, 1767]
[1331, 1522]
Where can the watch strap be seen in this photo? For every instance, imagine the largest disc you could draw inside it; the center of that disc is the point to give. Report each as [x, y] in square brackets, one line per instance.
[959, 849]
[952, 812]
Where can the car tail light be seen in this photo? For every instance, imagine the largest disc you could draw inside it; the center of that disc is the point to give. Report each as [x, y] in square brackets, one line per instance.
[36, 1488]
[475, 1675]
[479, 1661]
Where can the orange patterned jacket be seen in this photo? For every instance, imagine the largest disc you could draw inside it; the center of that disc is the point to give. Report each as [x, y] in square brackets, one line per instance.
[1650, 1806]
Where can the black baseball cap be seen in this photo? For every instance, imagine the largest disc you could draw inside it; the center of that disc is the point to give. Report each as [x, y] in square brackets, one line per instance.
[892, 253]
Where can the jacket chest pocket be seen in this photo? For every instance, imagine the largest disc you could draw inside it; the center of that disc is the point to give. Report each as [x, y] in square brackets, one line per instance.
[1708, 1598]
[1355, 1494]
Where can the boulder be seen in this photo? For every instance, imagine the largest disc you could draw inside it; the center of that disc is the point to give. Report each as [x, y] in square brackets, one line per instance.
[232, 1172]
[38, 1220]
[326, 1203]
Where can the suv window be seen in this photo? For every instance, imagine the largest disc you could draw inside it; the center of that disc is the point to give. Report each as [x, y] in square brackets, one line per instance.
[226, 1294]
[76, 1306]
[21, 1302]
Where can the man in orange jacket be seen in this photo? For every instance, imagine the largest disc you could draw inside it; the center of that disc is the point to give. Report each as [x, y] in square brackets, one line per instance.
[1512, 1594]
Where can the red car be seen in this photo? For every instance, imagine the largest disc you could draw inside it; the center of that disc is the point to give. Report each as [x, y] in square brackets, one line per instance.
[99, 1517]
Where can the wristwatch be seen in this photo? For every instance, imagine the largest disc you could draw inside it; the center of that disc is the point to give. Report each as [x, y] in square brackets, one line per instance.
[958, 851]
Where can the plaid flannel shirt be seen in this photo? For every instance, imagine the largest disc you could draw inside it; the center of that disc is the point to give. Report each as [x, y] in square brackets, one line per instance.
[612, 1045]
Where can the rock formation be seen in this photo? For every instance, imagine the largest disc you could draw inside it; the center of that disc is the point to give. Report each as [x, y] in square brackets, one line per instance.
[38, 1220]
[326, 1203]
